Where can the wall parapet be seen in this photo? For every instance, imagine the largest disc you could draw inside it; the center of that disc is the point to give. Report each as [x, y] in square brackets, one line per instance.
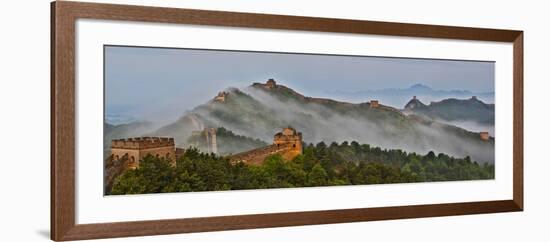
[142, 143]
[287, 143]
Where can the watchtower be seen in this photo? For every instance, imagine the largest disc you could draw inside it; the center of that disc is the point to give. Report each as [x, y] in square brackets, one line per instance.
[290, 139]
[135, 149]
[206, 140]
[287, 143]
[271, 83]
[374, 103]
[484, 136]
[220, 97]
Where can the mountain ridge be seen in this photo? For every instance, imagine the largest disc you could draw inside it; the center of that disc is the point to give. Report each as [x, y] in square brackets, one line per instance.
[261, 109]
[454, 109]
[398, 96]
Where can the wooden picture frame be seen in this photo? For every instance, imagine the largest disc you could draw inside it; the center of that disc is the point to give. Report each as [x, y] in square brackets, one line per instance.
[63, 18]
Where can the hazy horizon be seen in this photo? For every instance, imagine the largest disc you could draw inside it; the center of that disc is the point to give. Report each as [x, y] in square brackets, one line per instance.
[161, 84]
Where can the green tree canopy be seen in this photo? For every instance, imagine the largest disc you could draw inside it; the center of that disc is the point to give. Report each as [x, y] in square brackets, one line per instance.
[318, 165]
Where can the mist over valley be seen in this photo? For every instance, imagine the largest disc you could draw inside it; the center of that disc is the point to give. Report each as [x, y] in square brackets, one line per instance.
[252, 115]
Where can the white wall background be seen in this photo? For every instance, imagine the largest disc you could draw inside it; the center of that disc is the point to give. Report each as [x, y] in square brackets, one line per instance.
[24, 120]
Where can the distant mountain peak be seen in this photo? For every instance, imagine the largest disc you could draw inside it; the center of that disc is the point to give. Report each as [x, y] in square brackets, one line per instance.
[420, 86]
[473, 100]
[225, 94]
[269, 84]
[414, 103]
[259, 109]
[454, 109]
[285, 93]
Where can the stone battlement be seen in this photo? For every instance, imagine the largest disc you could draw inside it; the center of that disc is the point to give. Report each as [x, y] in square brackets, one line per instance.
[126, 154]
[142, 143]
[484, 135]
[374, 104]
[257, 156]
[287, 135]
[269, 84]
[287, 143]
[221, 97]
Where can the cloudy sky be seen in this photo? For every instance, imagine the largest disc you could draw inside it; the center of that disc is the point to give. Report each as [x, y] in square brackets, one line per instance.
[159, 84]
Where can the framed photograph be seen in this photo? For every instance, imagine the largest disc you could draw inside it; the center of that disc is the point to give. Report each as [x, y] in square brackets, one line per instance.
[172, 120]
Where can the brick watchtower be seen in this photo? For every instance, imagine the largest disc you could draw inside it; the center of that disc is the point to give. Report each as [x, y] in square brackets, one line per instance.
[287, 143]
[374, 104]
[221, 97]
[291, 139]
[137, 148]
[271, 83]
[484, 135]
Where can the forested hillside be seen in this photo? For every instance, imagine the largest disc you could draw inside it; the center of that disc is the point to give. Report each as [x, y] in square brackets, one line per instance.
[260, 110]
[319, 165]
[228, 142]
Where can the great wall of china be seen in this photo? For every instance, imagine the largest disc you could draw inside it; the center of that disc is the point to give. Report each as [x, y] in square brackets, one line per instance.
[287, 143]
[126, 153]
